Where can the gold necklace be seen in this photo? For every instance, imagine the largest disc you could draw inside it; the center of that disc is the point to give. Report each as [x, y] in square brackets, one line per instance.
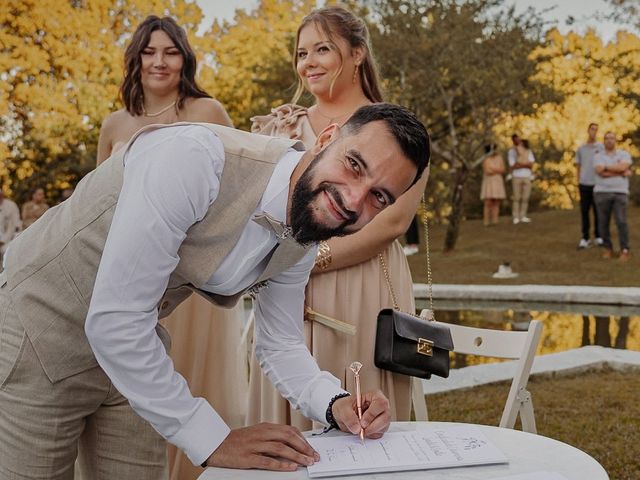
[144, 110]
[331, 119]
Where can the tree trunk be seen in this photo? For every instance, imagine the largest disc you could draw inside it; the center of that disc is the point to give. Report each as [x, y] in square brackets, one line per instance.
[586, 337]
[603, 338]
[451, 237]
[623, 333]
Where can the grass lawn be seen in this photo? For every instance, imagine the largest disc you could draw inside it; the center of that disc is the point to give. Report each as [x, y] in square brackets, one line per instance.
[596, 411]
[542, 252]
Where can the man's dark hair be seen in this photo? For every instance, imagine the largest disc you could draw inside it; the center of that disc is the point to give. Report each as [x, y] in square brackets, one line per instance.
[491, 147]
[514, 136]
[405, 127]
[592, 124]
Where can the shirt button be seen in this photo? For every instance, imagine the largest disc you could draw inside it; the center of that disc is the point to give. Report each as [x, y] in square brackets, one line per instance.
[164, 305]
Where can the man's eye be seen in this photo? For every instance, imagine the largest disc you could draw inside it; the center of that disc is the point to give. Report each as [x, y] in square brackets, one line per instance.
[353, 164]
[380, 198]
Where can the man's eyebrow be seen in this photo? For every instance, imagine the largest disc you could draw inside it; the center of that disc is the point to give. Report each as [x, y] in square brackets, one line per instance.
[357, 156]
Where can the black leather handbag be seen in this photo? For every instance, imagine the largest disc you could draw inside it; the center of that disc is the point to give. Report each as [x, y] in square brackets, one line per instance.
[411, 345]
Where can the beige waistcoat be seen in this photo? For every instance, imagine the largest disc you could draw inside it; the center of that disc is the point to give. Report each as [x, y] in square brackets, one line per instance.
[52, 266]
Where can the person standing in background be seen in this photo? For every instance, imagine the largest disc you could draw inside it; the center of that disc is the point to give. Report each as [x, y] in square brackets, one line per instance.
[521, 161]
[9, 222]
[347, 287]
[492, 191]
[586, 181]
[611, 194]
[159, 86]
[34, 209]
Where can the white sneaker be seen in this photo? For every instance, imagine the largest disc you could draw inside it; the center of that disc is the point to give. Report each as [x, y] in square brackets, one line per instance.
[410, 250]
[599, 241]
[525, 220]
[583, 244]
[516, 221]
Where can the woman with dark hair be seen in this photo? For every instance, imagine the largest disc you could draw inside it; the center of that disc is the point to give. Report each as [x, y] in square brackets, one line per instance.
[159, 86]
[333, 61]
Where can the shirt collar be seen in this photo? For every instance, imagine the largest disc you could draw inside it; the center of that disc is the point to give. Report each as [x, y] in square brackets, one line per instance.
[275, 197]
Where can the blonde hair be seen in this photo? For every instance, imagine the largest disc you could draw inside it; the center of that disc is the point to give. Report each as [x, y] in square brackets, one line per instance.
[340, 21]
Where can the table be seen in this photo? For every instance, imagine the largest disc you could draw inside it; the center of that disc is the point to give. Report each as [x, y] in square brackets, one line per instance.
[526, 452]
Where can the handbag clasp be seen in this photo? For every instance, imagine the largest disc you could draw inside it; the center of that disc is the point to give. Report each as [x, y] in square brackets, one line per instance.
[425, 347]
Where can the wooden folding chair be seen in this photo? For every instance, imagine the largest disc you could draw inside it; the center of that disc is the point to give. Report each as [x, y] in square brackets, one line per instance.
[520, 346]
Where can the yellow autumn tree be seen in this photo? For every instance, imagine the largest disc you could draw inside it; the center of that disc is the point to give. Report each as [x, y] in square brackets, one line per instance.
[591, 78]
[61, 64]
[250, 69]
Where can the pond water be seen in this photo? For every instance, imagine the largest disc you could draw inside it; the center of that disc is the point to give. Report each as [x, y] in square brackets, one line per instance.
[565, 326]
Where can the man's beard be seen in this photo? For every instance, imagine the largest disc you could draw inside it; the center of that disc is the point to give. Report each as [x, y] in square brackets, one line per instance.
[305, 228]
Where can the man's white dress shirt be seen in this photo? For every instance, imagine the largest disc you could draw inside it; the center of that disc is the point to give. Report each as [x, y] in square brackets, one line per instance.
[512, 157]
[171, 177]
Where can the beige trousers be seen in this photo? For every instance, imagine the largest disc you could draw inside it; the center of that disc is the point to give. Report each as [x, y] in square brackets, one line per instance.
[521, 193]
[44, 426]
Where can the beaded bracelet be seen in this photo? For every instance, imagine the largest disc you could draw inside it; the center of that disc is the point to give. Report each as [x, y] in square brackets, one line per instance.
[329, 416]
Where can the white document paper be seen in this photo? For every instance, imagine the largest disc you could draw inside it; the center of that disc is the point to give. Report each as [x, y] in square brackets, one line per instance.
[423, 449]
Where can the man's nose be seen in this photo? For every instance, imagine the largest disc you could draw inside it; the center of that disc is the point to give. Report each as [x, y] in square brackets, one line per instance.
[354, 198]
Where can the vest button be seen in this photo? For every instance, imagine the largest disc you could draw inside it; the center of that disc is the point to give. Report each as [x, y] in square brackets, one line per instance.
[164, 305]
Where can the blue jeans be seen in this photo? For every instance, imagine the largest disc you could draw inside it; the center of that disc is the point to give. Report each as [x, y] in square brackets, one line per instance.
[616, 203]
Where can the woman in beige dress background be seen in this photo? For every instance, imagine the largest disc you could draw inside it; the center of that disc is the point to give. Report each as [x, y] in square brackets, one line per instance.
[334, 63]
[492, 191]
[160, 87]
[34, 208]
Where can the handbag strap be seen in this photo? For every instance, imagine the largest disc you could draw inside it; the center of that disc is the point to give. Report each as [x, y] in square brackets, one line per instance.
[387, 277]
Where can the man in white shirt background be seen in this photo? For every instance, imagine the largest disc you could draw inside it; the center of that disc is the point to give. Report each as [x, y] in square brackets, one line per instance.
[586, 181]
[611, 194]
[521, 161]
[170, 211]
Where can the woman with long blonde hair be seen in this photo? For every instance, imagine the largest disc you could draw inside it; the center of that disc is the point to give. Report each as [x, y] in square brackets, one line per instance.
[333, 61]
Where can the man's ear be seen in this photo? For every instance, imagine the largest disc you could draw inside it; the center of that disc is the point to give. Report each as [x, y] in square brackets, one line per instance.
[326, 136]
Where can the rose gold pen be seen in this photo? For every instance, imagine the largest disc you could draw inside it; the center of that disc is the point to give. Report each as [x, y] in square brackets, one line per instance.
[355, 368]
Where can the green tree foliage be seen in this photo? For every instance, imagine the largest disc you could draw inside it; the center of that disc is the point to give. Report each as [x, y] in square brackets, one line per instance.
[599, 83]
[61, 64]
[460, 65]
[251, 70]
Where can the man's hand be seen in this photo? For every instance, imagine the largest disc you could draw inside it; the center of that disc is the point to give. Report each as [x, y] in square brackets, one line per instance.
[376, 414]
[266, 446]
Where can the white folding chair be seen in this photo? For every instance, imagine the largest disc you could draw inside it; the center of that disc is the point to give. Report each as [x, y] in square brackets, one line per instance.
[520, 346]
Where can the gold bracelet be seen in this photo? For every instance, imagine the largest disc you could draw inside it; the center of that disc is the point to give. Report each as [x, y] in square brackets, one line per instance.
[323, 258]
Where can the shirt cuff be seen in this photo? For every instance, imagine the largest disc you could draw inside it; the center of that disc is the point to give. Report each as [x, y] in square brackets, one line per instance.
[201, 435]
[319, 395]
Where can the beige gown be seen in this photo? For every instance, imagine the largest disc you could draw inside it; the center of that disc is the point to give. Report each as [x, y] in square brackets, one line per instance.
[493, 185]
[353, 295]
